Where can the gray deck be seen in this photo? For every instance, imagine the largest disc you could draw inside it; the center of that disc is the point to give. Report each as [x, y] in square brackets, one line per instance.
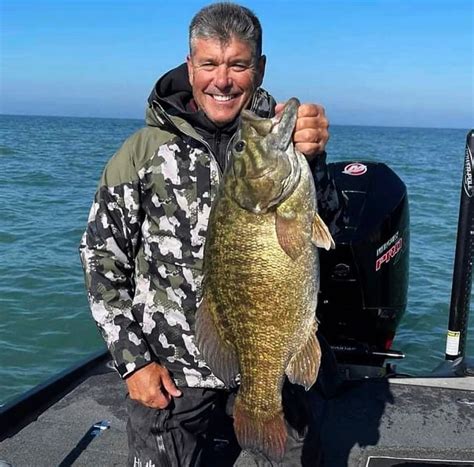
[48, 440]
[378, 418]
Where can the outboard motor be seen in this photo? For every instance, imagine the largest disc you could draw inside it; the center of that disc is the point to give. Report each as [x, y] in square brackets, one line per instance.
[364, 280]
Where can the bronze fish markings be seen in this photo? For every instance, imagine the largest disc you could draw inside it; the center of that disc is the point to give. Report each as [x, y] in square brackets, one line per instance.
[261, 278]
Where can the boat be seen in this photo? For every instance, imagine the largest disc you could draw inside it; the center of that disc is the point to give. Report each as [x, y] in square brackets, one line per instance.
[367, 415]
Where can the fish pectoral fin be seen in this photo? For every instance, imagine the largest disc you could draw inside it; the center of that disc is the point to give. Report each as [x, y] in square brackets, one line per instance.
[290, 235]
[321, 237]
[304, 366]
[217, 353]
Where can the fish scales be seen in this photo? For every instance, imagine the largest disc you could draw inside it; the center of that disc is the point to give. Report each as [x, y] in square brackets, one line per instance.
[261, 279]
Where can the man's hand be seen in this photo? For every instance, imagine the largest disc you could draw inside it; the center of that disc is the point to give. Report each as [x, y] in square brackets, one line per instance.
[152, 386]
[311, 131]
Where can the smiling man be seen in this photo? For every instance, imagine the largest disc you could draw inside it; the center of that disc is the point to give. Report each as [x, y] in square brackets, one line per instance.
[143, 248]
[223, 77]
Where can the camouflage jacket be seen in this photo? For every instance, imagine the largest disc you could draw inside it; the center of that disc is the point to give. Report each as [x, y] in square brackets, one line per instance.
[142, 251]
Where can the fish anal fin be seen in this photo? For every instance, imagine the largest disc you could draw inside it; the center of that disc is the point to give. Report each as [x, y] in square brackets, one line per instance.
[289, 233]
[217, 353]
[304, 366]
[266, 435]
[321, 237]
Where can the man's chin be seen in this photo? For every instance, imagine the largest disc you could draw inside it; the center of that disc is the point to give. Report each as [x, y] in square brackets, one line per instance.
[222, 118]
[223, 113]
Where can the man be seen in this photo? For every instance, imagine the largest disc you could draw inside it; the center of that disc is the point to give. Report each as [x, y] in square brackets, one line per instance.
[143, 248]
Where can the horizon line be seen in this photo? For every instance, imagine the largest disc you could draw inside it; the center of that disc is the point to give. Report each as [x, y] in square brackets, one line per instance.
[331, 124]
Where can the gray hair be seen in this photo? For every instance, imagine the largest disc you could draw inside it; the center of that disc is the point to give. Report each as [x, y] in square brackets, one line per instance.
[223, 21]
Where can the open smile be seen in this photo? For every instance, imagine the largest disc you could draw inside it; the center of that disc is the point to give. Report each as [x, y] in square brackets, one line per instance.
[223, 97]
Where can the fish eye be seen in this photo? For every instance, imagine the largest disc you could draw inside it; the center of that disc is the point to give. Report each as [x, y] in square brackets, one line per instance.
[239, 146]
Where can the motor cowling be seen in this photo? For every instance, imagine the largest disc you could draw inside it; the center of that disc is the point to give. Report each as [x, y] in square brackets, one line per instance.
[364, 280]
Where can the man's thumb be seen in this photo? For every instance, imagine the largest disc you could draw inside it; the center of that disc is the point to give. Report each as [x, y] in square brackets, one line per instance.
[279, 108]
[170, 387]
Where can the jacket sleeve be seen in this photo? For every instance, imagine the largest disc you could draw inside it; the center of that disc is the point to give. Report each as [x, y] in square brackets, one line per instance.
[107, 249]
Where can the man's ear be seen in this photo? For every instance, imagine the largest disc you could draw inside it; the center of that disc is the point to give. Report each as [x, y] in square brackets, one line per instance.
[261, 69]
[189, 63]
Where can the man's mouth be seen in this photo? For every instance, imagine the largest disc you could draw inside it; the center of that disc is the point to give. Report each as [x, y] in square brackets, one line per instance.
[223, 97]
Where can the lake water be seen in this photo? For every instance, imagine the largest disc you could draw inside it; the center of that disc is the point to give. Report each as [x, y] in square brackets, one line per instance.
[49, 169]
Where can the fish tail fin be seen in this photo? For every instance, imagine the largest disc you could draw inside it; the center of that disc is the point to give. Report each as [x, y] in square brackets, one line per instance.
[265, 436]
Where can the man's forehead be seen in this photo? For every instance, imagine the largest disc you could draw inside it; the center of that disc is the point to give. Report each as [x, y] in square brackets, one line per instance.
[214, 45]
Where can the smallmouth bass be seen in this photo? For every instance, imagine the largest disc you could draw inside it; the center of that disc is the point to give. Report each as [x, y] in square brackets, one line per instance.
[257, 317]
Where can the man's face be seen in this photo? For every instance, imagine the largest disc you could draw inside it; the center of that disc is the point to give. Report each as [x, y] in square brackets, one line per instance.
[223, 77]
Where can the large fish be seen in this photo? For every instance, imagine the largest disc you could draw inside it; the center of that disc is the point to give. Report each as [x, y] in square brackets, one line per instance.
[261, 279]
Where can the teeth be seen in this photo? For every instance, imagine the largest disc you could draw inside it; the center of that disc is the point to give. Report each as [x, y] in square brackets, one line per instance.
[221, 98]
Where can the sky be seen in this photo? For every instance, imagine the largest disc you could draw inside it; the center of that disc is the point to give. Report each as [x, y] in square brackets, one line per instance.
[368, 62]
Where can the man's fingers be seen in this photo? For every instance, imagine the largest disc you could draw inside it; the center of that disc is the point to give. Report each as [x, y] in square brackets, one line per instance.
[309, 150]
[154, 398]
[311, 129]
[311, 141]
[157, 399]
[161, 399]
[279, 108]
[320, 123]
[311, 110]
[169, 387]
[152, 386]
[164, 391]
[311, 135]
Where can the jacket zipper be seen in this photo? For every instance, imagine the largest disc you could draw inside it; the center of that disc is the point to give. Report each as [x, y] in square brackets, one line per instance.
[227, 152]
[165, 460]
[162, 452]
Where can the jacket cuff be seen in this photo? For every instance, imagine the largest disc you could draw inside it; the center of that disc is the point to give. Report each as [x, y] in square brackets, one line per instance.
[129, 360]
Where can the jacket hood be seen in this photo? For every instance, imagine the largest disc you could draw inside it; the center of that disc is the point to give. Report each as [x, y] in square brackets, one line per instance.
[173, 91]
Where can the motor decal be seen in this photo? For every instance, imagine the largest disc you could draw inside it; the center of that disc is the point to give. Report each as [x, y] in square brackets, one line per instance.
[355, 169]
[388, 244]
[389, 254]
[468, 173]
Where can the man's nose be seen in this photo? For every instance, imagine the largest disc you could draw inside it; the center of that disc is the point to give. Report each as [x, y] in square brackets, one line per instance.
[222, 79]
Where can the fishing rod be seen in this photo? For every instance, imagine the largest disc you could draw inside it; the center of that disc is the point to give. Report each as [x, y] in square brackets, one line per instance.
[462, 276]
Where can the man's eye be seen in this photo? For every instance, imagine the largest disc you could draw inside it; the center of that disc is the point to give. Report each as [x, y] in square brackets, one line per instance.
[239, 146]
[239, 67]
[207, 66]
